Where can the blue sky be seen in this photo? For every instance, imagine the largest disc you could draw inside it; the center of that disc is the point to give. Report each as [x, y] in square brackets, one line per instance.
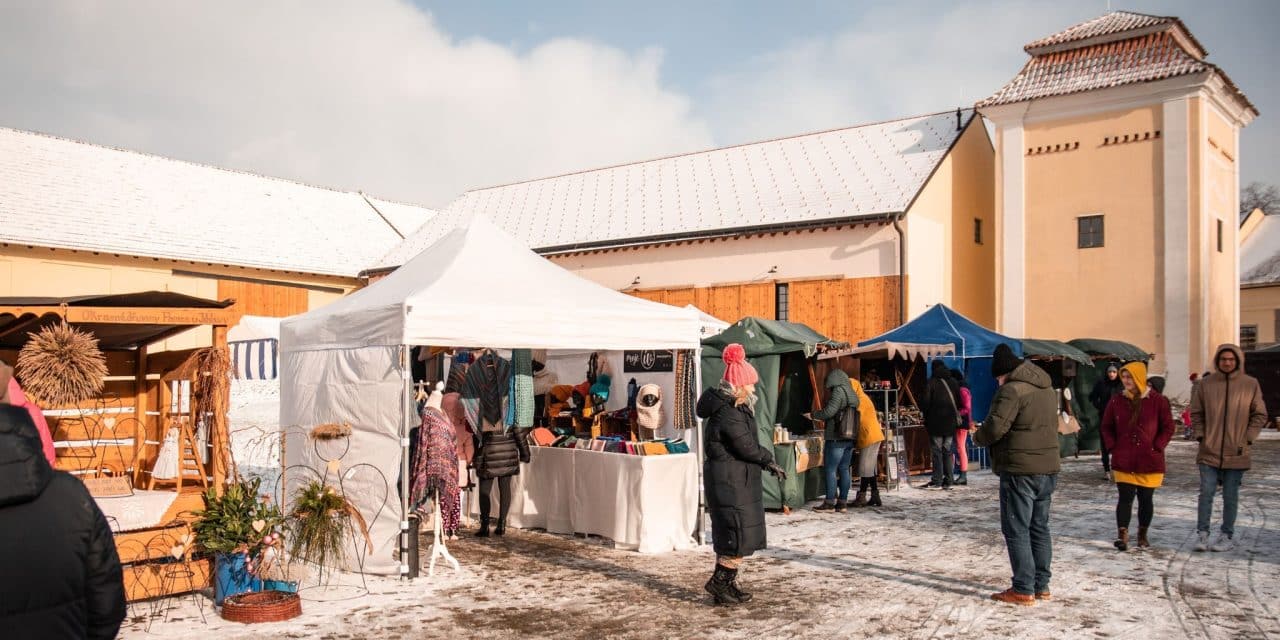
[419, 101]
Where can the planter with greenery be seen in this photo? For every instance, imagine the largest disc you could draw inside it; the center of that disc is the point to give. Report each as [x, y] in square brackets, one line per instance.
[237, 527]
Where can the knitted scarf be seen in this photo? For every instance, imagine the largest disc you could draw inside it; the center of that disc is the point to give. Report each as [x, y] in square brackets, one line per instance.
[436, 467]
[522, 383]
[486, 381]
[686, 386]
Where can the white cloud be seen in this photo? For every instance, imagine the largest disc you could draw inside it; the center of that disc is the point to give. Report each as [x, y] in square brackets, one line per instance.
[370, 95]
[899, 60]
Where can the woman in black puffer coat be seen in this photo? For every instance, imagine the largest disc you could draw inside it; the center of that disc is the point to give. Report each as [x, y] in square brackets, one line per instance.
[731, 474]
[498, 458]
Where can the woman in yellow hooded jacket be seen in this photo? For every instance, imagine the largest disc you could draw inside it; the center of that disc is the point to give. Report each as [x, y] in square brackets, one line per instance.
[870, 435]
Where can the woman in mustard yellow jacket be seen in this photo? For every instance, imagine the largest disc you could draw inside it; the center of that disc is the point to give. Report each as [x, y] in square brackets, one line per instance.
[870, 435]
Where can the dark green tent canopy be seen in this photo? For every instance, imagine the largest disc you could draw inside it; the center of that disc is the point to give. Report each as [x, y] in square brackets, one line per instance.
[762, 337]
[1099, 348]
[779, 351]
[1053, 349]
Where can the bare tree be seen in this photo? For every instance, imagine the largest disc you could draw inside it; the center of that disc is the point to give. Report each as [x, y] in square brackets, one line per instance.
[1259, 195]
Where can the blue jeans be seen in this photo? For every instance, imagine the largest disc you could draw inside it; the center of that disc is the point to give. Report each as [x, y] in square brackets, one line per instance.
[1024, 520]
[1209, 479]
[837, 456]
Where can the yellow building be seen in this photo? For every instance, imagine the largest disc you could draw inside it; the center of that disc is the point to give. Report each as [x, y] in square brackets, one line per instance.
[815, 228]
[1260, 280]
[81, 219]
[1116, 191]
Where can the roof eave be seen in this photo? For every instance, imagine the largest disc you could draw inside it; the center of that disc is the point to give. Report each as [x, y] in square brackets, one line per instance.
[710, 234]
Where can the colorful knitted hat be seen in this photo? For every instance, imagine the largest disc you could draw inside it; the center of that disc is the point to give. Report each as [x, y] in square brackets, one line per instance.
[737, 371]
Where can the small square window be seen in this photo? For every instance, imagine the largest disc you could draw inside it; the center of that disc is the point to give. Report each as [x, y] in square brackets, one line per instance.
[977, 230]
[1248, 337]
[1090, 232]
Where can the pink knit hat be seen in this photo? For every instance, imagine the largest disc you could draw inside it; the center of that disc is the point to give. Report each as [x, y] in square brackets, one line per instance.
[737, 371]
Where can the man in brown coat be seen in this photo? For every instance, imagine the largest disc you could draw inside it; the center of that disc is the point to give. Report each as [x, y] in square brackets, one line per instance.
[1227, 414]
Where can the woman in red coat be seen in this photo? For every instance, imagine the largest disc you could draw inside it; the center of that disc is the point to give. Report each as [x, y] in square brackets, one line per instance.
[1136, 427]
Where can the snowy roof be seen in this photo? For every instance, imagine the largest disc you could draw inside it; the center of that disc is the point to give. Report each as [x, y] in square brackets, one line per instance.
[66, 194]
[1260, 253]
[1117, 49]
[1109, 25]
[859, 172]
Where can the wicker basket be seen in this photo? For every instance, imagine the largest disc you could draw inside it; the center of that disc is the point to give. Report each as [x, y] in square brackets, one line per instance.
[262, 606]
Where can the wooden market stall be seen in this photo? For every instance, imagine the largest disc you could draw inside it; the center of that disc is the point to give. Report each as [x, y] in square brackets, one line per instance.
[902, 369]
[112, 441]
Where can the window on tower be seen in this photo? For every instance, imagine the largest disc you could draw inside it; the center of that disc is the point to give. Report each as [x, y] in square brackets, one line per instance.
[1089, 232]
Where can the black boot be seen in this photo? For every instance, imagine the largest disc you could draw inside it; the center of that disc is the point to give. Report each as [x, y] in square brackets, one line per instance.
[962, 478]
[484, 528]
[501, 528]
[875, 494]
[720, 586]
[734, 588]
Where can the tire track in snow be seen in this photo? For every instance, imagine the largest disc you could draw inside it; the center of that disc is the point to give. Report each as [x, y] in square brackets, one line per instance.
[1166, 579]
[1258, 533]
[1247, 613]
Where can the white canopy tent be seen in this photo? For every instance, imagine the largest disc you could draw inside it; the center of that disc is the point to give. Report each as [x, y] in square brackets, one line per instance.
[348, 362]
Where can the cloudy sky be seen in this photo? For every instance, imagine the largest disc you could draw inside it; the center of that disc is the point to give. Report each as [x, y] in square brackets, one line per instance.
[419, 101]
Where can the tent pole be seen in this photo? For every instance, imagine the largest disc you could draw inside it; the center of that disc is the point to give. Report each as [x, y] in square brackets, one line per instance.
[405, 483]
[697, 440]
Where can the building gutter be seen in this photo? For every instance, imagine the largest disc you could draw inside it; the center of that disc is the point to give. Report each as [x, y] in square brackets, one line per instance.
[902, 268]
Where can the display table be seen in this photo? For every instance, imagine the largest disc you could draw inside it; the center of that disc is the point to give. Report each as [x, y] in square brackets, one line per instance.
[643, 503]
[800, 486]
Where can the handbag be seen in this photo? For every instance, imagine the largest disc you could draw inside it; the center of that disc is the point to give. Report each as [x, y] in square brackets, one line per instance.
[847, 424]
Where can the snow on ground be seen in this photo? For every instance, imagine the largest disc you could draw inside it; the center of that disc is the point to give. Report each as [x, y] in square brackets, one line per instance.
[921, 567]
[253, 420]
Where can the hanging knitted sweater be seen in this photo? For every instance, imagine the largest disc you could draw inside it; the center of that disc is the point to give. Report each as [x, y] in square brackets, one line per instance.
[483, 392]
[436, 468]
[522, 388]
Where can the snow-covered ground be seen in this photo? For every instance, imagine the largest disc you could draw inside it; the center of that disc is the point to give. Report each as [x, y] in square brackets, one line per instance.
[253, 420]
[921, 567]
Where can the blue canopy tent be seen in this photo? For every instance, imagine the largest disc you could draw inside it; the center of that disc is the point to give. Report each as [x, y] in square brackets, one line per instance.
[973, 343]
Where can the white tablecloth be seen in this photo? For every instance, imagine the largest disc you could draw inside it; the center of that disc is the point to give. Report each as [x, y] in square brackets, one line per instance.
[643, 503]
[141, 510]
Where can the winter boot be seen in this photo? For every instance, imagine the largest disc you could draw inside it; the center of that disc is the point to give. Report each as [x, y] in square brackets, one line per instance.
[720, 586]
[736, 590]
[859, 500]
[1122, 539]
[826, 505]
[484, 528]
[841, 506]
[962, 478]
[501, 528]
[875, 494]
[1143, 543]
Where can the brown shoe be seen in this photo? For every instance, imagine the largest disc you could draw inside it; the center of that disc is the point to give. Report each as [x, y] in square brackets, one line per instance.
[1044, 595]
[1143, 543]
[1013, 597]
[1122, 539]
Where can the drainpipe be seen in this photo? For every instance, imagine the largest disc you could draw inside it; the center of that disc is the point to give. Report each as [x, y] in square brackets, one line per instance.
[902, 268]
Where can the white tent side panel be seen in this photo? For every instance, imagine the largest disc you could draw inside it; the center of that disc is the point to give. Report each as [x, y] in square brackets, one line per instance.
[363, 387]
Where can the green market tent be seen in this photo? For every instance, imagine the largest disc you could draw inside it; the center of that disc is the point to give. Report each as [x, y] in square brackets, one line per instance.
[1102, 352]
[1054, 350]
[780, 352]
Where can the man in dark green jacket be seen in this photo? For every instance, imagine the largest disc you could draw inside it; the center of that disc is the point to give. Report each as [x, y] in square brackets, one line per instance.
[1022, 432]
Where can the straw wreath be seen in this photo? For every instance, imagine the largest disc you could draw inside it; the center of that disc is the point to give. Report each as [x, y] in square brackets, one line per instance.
[61, 365]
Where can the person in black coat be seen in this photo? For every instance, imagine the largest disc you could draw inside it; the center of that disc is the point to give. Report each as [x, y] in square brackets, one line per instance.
[731, 474]
[940, 406]
[62, 576]
[1103, 390]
